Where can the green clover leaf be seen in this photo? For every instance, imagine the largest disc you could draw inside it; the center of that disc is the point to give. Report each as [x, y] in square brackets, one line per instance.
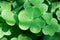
[43, 7]
[51, 28]
[14, 38]
[58, 14]
[4, 38]
[36, 2]
[36, 25]
[24, 20]
[47, 17]
[23, 37]
[1, 33]
[5, 5]
[8, 16]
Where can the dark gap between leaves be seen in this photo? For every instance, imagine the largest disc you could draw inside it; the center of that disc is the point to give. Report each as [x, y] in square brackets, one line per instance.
[55, 16]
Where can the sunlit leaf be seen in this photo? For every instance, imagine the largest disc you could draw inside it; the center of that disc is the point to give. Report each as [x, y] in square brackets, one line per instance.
[3, 38]
[58, 14]
[24, 20]
[8, 16]
[23, 37]
[55, 5]
[1, 32]
[5, 5]
[35, 26]
[14, 38]
[7, 33]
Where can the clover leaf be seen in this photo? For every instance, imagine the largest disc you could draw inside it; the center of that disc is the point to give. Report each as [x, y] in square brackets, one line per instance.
[43, 7]
[23, 37]
[4, 38]
[51, 28]
[47, 17]
[1, 33]
[36, 25]
[8, 16]
[36, 2]
[58, 29]
[14, 38]
[7, 33]
[5, 5]
[58, 14]
[24, 20]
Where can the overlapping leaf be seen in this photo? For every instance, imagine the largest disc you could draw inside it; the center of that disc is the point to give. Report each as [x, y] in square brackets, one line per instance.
[8, 16]
[43, 7]
[27, 21]
[4, 38]
[36, 25]
[47, 17]
[51, 28]
[24, 20]
[5, 5]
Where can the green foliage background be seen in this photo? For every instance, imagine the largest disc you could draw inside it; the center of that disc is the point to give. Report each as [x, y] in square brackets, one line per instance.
[29, 20]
